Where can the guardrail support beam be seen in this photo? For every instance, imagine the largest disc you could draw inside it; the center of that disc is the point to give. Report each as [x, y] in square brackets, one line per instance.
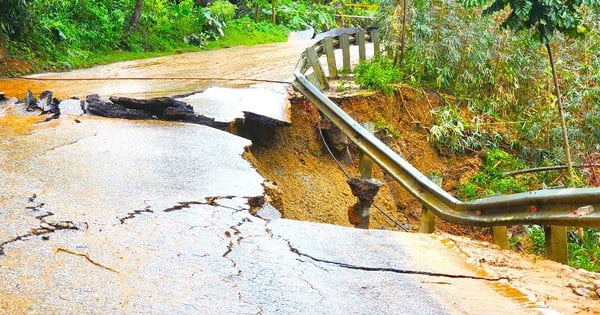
[556, 243]
[427, 221]
[362, 50]
[345, 44]
[500, 236]
[331, 64]
[375, 40]
[313, 60]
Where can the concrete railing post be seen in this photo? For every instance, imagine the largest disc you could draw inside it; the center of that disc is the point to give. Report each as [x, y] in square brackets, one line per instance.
[500, 236]
[427, 221]
[556, 243]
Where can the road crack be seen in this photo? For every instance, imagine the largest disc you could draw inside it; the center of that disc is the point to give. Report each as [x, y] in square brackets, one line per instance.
[135, 213]
[87, 257]
[387, 269]
[45, 226]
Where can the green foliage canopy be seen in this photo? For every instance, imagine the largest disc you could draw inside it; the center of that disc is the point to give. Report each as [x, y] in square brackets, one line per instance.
[545, 16]
[12, 17]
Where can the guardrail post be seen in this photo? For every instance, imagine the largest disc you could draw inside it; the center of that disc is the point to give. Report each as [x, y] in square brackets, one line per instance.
[345, 45]
[427, 221]
[313, 60]
[365, 165]
[556, 243]
[331, 64]
[362, 51]
[500, 236]
[375, 40]
[365, 188]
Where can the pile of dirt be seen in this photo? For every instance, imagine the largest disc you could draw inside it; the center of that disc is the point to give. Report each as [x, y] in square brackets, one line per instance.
[307, 185]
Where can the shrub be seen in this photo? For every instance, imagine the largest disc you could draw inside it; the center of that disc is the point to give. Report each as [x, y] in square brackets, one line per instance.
[377, 74]
[223, 10]
[491, 181]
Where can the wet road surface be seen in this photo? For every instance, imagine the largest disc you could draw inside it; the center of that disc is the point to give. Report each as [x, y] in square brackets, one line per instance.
[169, 75]
[113, 216]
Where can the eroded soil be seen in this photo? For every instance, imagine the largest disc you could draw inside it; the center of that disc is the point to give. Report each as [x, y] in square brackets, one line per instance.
[306, 184]
[311, 187]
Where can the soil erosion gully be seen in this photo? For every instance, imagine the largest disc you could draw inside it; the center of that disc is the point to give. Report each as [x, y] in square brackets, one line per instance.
[562, 207]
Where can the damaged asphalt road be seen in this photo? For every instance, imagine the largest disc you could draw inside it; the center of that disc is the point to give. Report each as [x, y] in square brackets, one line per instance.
[108, 216]
[161, 224]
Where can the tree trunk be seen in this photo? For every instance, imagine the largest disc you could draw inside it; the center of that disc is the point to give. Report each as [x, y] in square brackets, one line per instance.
[256, 11]
[137, 15]
[403, 34]
[274, 11]
[563, 123]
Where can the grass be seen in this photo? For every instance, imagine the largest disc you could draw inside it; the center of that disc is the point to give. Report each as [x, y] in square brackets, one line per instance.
[245, 32]
[241, 32]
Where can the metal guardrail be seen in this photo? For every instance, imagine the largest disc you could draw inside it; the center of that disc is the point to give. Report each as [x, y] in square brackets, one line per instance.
[561, 207]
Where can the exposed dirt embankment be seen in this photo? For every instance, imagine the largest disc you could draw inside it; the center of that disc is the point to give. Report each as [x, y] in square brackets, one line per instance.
[307, 185]
[311, 187]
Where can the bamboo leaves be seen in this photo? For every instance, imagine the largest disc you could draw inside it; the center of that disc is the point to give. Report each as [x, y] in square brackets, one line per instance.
[544, 16]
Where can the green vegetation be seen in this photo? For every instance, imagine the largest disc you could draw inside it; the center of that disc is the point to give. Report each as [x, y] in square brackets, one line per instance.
[491, 181]
[297, 15]
[502, 81]
[583, 249]
[377, 74]
[381, 125]
[452, 135]
[244, 31]
[584, 252]
[497, 78]
[69, 34]
[76, 33]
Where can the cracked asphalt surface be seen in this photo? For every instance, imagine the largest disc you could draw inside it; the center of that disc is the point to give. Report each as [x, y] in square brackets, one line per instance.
[111, 216]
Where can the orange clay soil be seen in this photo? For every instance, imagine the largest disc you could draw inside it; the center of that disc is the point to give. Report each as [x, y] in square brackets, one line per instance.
[307, 185]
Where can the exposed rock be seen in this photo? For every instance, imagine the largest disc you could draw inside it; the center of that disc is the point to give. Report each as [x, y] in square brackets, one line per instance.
[2, 96]
[30, 101]
[178, 113]
[46, 103]
[268, 212]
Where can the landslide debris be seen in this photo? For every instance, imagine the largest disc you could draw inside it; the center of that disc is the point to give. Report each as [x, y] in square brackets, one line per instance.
[307, 184]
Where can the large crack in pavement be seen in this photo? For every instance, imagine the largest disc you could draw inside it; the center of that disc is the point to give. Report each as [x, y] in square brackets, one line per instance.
[209, 201]
[47, 227]
[387, 269]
